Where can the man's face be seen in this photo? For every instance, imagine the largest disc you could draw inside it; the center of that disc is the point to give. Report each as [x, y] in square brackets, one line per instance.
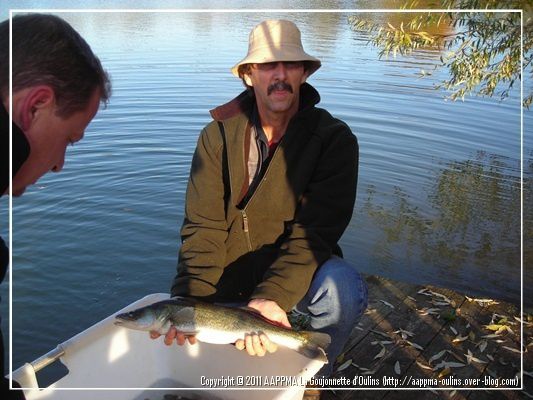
[277, 86]
[49, 135]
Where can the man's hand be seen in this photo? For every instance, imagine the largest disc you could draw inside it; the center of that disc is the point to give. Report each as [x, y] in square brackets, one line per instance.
[259, 345]
[174, 334]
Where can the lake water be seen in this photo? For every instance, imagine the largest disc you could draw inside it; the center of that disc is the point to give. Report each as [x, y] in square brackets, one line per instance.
[439, 183]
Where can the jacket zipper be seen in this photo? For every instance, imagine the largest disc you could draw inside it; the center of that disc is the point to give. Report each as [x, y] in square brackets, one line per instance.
[245, 225]
[265, 174]
[246, 229]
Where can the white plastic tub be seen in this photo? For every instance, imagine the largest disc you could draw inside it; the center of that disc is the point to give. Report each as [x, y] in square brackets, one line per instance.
[110, 362]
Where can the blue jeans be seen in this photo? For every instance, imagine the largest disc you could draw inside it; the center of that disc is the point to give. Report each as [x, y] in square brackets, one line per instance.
[335, 302]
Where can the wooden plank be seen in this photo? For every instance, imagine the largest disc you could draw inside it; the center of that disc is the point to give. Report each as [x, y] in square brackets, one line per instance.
[505, 361]
[440, 303]
[377, 349]
[404, 332]
[452, 345]
[381, 292]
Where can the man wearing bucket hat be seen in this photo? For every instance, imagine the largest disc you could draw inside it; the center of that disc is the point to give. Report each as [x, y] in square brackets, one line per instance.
[272, 189]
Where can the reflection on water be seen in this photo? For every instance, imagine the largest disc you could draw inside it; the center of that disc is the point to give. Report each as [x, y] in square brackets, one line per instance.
[438, 199]
[474, 222]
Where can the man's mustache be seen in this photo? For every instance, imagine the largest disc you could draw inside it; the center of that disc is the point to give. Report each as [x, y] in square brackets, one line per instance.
[279, 86]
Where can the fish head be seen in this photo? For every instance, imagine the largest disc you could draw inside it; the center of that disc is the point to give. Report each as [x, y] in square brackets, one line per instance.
[142, 319]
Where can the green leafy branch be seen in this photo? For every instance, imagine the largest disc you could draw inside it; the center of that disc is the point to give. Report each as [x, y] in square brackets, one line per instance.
[481, 50]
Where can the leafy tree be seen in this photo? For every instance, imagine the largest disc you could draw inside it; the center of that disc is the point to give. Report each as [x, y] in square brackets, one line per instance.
[482, 49]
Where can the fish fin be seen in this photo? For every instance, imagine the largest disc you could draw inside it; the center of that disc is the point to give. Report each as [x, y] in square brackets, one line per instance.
[315, 344]
[257, 314]
[313, 352]
[319, 339]
[251, 310]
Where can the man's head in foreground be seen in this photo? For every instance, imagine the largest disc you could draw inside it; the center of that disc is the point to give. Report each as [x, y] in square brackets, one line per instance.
[58, 84]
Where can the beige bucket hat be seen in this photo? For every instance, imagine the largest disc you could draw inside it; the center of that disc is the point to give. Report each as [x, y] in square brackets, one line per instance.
[273, 41]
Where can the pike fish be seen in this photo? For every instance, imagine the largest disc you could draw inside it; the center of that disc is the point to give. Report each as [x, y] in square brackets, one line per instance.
[219, 324]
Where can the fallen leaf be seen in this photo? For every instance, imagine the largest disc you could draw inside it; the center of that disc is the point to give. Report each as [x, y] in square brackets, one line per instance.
[491, 336]
[437, 356]
[470, 357]
[382, 342]
[448, 364]
[459, 339]
[443, 297]
[369, 372]
[494, 327]
[387, 304]
[381, 353]
[526, 323]
[361, 368]
[453, 330]
[482, 345]
[482, 302]
[455, 365]
[499, 328]
[380, 333]
[444, 372]
[423, 366]
[345, 365]
[416, 346]
[403, 333]
[432, 311]
[511, 349]
[397, 368]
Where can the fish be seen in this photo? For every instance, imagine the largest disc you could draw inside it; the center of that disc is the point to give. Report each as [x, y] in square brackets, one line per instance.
[220, 324]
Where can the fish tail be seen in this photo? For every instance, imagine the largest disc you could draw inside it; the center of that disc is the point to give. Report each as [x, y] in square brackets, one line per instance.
[314, 345]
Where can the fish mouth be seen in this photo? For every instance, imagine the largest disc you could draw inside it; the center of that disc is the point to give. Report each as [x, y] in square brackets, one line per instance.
[125, 323]
[120, 322]
[123, 319]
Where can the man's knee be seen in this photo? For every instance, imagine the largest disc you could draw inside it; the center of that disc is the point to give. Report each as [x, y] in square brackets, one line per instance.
[341, 280]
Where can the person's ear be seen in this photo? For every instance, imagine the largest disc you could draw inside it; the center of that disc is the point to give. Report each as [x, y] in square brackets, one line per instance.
[248, 79]
[304, 77]
[36, 100]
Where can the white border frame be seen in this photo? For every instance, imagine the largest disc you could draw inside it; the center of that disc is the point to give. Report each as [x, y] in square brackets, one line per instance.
[362, 11]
